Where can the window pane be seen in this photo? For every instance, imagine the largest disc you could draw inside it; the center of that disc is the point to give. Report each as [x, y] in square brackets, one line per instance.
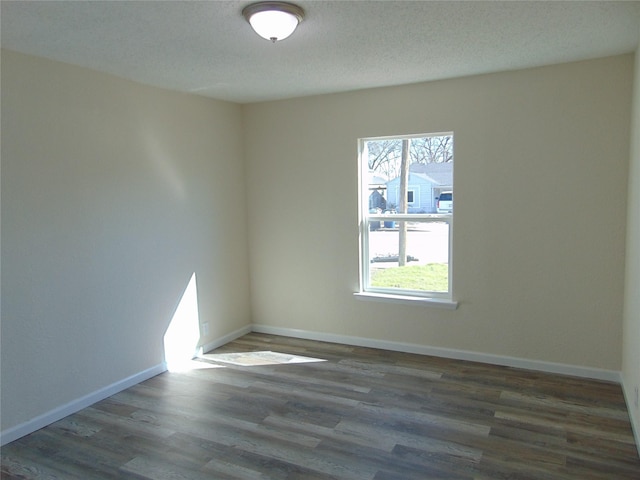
[410, 178]
[427, 253]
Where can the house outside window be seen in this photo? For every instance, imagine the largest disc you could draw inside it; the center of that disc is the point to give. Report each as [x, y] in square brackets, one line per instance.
[405, 244]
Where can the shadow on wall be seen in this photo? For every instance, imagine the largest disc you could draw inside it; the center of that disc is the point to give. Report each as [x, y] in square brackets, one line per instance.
[183, 333]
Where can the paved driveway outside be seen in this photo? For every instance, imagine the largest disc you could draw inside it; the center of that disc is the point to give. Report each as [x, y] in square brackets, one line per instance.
[428, 242]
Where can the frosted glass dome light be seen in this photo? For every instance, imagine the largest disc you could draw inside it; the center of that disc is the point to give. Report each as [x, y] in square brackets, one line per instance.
[273, 20]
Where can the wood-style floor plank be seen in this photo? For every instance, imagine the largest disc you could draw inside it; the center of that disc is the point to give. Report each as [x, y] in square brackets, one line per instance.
[360, 413]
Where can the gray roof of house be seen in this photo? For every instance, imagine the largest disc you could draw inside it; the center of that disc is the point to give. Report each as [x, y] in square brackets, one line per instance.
[412, 178]
[438, 173]
[376, 181]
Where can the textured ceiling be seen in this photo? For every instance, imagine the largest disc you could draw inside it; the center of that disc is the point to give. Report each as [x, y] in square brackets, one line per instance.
[206, 47]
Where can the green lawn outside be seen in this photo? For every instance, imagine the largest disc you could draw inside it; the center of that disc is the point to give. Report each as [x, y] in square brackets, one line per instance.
[432, 277]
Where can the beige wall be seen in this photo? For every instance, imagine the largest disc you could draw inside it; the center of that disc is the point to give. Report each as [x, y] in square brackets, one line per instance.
[113, 194]
[631, 339]
[541, 159]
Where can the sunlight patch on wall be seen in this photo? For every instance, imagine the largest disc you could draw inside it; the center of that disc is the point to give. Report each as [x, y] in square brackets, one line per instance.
[183, 334]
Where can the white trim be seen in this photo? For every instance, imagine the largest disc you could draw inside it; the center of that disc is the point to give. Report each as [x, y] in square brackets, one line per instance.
[58, 413]
[405, 299]
[629, 396]
[230, 337]
[47, 418]
[516, 362]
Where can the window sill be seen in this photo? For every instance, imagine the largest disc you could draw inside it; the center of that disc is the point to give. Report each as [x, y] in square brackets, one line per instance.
[407, 300]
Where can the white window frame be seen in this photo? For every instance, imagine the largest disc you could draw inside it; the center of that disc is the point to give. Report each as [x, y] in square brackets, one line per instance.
[365, 218]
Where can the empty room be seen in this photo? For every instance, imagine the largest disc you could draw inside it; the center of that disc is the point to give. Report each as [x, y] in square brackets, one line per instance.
[386, 240]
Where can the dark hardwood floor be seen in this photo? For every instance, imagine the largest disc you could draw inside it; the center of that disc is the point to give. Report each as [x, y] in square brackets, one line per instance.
[360, 414]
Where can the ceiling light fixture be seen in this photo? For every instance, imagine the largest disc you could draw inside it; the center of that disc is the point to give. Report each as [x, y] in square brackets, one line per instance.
[273, 20]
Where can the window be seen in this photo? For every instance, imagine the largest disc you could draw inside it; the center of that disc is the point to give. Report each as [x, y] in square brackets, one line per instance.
[405, 228]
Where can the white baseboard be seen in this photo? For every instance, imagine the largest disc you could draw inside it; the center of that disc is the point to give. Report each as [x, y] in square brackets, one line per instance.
[74, 406]
[30, 426]
[207, 347]
[550, 367]
[629, 396]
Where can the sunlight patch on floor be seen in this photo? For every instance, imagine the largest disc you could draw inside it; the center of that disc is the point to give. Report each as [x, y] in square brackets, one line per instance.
[195, 364]
[250, 359]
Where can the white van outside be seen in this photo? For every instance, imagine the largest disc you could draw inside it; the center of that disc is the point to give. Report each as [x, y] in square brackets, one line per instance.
[445, 202]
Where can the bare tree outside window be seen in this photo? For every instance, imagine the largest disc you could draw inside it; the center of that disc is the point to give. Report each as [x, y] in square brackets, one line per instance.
[385, 155]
